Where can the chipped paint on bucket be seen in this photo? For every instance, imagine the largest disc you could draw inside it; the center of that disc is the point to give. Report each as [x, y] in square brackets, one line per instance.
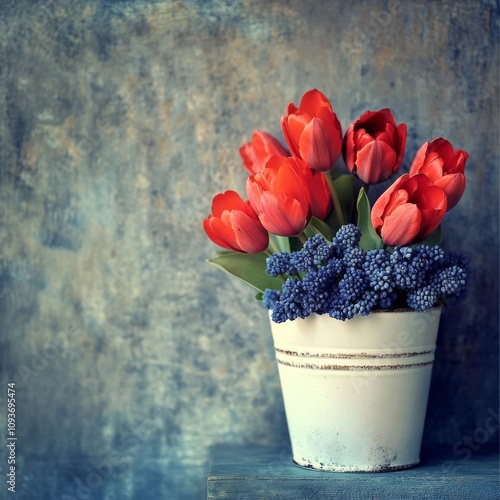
[355, 391]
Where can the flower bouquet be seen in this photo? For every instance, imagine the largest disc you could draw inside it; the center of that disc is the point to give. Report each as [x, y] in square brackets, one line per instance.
[318, 253]
[309, 241]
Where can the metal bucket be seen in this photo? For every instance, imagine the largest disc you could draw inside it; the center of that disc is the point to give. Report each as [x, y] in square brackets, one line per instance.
[356, 391]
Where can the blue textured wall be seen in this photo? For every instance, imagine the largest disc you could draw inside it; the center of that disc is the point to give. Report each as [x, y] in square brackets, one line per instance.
[118, 123]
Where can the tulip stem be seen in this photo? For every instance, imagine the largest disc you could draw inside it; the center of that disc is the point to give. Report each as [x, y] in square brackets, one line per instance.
[336, 202]
[273, 247]
[302, 237]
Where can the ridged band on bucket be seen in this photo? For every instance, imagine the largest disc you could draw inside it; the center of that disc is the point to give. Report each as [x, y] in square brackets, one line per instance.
[348, 360]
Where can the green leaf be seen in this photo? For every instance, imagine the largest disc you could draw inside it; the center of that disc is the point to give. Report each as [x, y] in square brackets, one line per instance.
[317, 226]
[283, 243]
[344, 186]
[249, 268]
[370, 240]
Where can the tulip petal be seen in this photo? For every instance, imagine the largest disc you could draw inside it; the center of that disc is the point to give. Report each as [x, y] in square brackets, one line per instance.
[254, 192]
[463, 156]
[348, 148]
[430, 222]
[249, 234]
[266, 145]
[418, 159]
[249, 159]
[454, 187]
[383, 203]
[224, 236]
[375, 162]
[319, 148]
[402, 225]
[388, 135]
[213, 235]
[295, 125]
[432, 202]
[228, 200]
[362, 138]
[321, 200]
[443, 148]
[289, 180]
[415, 184]
[312, 102]
[291, 109]
[433, 166]
[398, 197]
[429, 196]
[401, 145]
[375, 121]
[281, 215]
[256, 152]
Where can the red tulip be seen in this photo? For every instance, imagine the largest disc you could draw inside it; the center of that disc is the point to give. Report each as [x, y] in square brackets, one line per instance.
[443, 166]
[374, 146]
[256, 152]
[234, 225]
[320, 196]
[280, 196]
[313, 131]
[409, 211]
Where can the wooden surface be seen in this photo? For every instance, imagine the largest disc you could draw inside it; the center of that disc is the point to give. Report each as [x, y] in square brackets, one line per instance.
[257, 472]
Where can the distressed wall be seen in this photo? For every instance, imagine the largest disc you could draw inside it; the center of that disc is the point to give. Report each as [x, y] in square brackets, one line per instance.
[118, 123]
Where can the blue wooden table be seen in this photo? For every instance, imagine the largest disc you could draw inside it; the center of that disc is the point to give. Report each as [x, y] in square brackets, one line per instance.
[259, 472]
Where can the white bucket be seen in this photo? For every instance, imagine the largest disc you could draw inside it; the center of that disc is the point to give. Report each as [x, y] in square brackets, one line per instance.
[356, 391]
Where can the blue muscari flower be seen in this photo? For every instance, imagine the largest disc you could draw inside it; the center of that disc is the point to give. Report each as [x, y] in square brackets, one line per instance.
[387, 301]
[378, 268]
[279, 263]
[368, 303]
[293, 303]
[362, 306]
[399, 261]
[300, 262]
[337, 306]
[348, 236]
[353, 284]
[278, 315]
[324, 253]
[315, 252]
[270, 297]
[433, 255]
[451, 283]
[423, 298]
[332, 269]
[312, 244]
[457, 259]
[354, 257]
[450, 280]
[342, 280]
[381, 279]
[319, 285]
[410, 266]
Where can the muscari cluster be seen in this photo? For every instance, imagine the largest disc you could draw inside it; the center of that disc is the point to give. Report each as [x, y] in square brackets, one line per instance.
[342, 280]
